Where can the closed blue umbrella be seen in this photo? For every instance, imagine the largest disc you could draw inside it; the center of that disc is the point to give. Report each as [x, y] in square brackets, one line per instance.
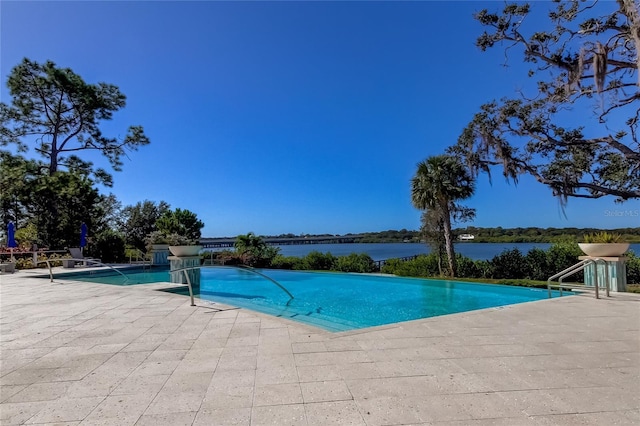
[11, 235]
[11, 238]
[83, 235]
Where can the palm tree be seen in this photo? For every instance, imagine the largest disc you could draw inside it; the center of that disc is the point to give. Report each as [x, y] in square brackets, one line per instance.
[433, 231]
[249, 246]
[438, 184]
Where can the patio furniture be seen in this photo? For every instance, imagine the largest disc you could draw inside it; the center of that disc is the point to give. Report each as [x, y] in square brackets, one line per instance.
[8, 267]
[76, 253]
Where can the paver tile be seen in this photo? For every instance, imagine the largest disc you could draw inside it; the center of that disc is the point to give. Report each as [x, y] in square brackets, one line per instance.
[317, 373]
[170, 402]
[66, 409]
[123, 407]
[387, 410]
[223, 417]
[228, 397]
[131, 355]
[140, 384]
[333, 413]
[41, 392]
[278, 394]
[7, 391]
[586, 419]
[19, 412]
[25, 376]
[169, 419]
[334, 390]
[277, 374]
[279, 415]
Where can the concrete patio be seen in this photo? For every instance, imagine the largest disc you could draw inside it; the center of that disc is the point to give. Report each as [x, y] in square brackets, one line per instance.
[76, 353]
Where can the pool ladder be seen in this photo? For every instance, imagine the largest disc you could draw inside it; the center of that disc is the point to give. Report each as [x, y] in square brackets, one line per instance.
[577, 268]
[140, 258]
[242, 268]
[94, 262]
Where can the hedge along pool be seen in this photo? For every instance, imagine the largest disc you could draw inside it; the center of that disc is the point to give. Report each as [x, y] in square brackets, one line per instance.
[338, 301]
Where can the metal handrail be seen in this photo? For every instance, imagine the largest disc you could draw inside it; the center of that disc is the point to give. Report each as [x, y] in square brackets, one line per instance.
[140, 255]
[48, 262]
[248, 268]
[577, 268]
[186, 275]
[568, 269]
[596, 285]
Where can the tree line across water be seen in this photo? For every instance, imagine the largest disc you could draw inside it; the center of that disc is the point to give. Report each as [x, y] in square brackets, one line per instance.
[496, 235]
[531, 268]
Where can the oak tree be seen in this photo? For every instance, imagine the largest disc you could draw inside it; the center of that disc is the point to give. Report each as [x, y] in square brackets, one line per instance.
[577, 132]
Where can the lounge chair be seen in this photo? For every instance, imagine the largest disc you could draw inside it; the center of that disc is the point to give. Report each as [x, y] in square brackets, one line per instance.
[76, 254]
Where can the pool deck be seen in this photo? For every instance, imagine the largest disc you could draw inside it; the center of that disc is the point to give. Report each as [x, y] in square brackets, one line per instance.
[77, 353]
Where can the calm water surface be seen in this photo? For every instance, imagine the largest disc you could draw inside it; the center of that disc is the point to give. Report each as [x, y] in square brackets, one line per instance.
[338, 301]
[382, 251]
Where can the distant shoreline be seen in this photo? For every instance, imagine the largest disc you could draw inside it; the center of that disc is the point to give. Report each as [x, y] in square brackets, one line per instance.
[481, 235]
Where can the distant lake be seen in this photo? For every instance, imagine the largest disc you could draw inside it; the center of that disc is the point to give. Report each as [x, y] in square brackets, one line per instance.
[382, 251]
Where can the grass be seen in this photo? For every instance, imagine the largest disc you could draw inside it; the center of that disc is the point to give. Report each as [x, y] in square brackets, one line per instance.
[633, 288]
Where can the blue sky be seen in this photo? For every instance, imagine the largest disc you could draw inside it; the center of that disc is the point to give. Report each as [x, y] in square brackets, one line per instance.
[278, 117]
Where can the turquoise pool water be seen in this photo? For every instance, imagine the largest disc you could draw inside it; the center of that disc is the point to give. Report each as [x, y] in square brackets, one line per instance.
[337, 301]
[133, 276]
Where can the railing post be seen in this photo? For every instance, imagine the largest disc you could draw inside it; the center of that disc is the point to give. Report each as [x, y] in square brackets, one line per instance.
[50, 271]
[186, 275]
[607, 278]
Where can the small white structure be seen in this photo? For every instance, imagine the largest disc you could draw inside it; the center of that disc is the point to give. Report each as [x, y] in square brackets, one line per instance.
[612, 271]
[466, 237]
[160, 254]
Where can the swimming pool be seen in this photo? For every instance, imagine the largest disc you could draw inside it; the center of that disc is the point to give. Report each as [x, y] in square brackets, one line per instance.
[338, 301]
[132, 276]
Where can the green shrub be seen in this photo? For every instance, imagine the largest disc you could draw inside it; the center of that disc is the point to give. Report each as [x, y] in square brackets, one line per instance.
[425, 265]
[355, 263]
[228, 257]
[109, 247]
[509, 264]
[466, 267]
[602, 237]
[561, 256]
[286, 262]
[537, 265]
[27, 235]
[633, 268]
[261, 257]
[54, 258]
[264, 258]
[317, 261]
[25, 263]
[484, 268]
[208, 257]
